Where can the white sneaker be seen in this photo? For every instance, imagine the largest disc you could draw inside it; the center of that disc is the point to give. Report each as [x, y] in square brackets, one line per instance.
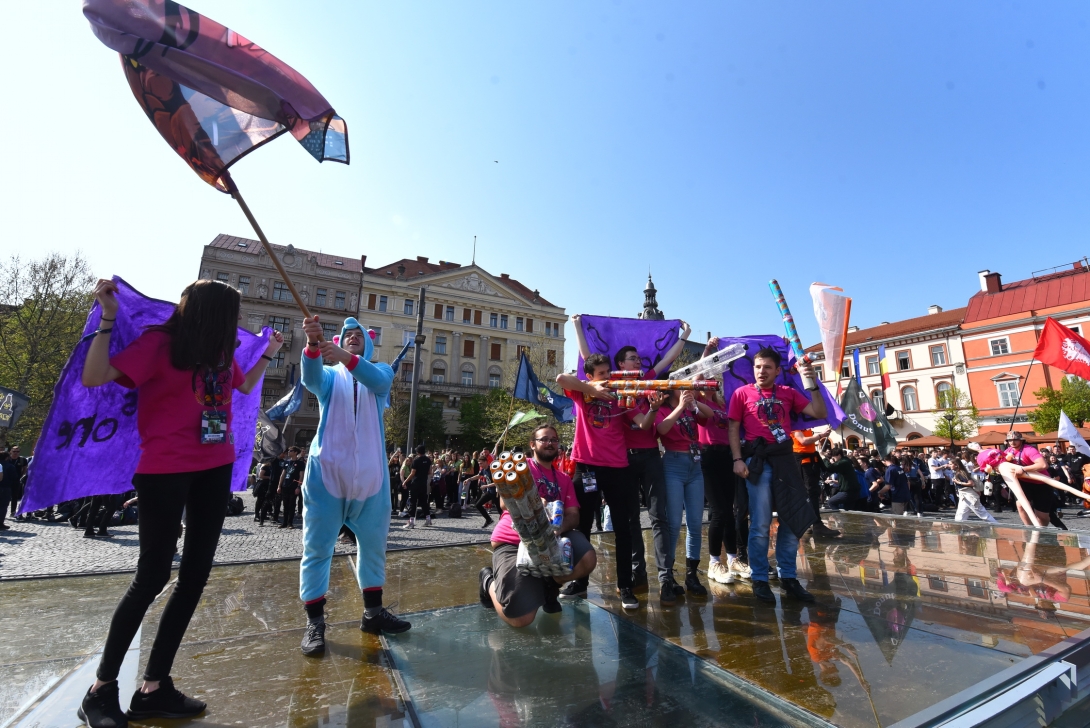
[408, 525]
[740, 569]
[720, 573]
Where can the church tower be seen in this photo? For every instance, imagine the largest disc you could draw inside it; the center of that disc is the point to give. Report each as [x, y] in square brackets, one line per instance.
[650, 305]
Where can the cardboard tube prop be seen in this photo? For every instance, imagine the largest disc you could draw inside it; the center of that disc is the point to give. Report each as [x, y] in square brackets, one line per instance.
[712, 365]
[540, 552]
[627, 390]
[792, 334]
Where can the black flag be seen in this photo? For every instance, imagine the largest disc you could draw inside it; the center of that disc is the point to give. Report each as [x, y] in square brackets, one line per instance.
[12, 404]
[861, 416]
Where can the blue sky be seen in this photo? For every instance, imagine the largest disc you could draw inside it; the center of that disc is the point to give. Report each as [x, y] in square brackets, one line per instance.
[893, 149]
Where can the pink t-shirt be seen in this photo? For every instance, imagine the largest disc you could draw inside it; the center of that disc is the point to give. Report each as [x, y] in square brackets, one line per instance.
[713, 431]
[752, 408]
[599, 432]
[552, 485]
[683, 434]
[169, 407]
[1026, 456]
[634, 437]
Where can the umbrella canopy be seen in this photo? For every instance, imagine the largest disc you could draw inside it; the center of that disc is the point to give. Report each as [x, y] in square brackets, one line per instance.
[930, 441]
[989, 438]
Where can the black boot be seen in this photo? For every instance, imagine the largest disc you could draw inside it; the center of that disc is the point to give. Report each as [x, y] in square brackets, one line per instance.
[692, 583]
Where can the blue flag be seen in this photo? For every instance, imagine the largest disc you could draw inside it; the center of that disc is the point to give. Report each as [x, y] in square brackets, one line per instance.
[288, 405]
[530, 388]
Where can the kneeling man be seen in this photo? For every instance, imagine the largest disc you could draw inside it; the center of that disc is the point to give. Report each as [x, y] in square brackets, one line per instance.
[516, 598]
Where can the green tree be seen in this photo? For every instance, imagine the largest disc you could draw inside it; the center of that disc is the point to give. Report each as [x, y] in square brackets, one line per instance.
[43, 308]
[430, 428]
[956, 416]
[1073, 397]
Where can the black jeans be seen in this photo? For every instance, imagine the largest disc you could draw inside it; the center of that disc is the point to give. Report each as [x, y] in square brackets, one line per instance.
[98, 513]
[5, 496]
[646, 475]
[418, 491]
[488, 495]
[288, 499]
[16, 496]
[621, 495]
[811, 475]
[717, 464]
[204, 495]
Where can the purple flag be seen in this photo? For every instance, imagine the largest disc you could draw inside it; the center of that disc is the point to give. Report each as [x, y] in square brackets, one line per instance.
[212, 94]
[740, 373]
[89, 444]
[607, 335]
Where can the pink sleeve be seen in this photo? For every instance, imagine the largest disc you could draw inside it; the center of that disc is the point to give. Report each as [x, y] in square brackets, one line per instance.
[1034, 454]
[238, 377]
[138, 361]
[800, 400]
[567, 492]
[736, 408]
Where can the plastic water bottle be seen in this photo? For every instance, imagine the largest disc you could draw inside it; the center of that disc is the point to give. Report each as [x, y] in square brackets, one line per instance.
[565, 553]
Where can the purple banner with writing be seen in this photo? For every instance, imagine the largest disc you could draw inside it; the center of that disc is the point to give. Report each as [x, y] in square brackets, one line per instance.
[740, 374]
[89, 443]
[608, 335]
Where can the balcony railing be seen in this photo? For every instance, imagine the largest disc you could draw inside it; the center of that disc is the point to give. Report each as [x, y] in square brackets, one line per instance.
[429, 387]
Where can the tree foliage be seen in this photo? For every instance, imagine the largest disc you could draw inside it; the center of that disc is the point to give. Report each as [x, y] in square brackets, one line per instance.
[1073, 397]
[43, 308]
[957, 418]
[430, 428]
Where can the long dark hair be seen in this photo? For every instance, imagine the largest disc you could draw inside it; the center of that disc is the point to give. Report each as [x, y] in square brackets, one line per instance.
[204, 327]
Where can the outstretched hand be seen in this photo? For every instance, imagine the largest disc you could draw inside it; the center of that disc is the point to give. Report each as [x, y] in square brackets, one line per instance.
[312, 329]
[334, 353]
[105, 294]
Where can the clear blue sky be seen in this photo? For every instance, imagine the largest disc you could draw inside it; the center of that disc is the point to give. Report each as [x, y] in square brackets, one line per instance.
[890, 148]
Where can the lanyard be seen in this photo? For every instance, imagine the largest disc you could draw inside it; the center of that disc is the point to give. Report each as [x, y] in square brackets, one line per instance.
[767, 403]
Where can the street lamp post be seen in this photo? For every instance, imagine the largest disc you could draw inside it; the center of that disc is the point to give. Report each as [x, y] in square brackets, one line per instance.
[949, 417]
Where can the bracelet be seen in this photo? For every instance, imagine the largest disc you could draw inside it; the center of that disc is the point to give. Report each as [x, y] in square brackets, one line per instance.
[739, 460]
[104, 331]
[103, 318]
[266, 356]
[313, 343]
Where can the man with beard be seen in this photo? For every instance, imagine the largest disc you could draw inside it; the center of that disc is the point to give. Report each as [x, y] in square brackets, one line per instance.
[347, 481]
[515, 597]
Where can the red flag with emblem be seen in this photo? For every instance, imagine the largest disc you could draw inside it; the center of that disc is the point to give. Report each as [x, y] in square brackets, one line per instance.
[1062, 348]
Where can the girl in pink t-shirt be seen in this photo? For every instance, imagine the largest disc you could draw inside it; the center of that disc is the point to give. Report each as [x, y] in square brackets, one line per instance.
[185, 374]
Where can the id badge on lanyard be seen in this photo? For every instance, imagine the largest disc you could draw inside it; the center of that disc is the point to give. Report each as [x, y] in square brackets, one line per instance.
[772, 420]
[590, 481]
[213, 424]
[214, 428]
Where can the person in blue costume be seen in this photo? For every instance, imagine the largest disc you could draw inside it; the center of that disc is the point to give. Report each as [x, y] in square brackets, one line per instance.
[347, 482]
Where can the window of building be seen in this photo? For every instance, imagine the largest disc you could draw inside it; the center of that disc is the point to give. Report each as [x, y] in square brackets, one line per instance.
[943, 394]
[408, 307]
[494, 352]
[932, 542]
[278, 360]
[852, 442]
[450, 313]
[378, 335]
[438, 372]
[440, 345]
[438, 311]
[329, 331]
[1075, 329]
[908, 399]
[338, 300]
[548, 328]
[846, 370]
[1000, 346]
[904, 361]
[281, 292]
[372, 301]
[520, 351]
[382, 301]
[494, 380]
[872, 365]
[550, 357]
[407, 337]
[406, 371]
[1008, 393]
[503, 321]
[477, 318]
[976, 588]
[467, 348]
[819, 372]
[493, 320]
[529, 326]
[467, 376]
[279, 323]
[936, 583]
[244, 285]
[519, 323]
[269, 397]
[223, 277]
[312, 403]
[938, 355]
[320, 297]
[466, 315]
[879, 400]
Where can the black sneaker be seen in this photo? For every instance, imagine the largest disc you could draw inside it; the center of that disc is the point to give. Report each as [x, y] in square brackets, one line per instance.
[678, 588]
[628, 599]
[667, 598]
[166, 702]
[102, 709]
[763, 591]
[794, 589]
[639, 581]
[574, 590]
[484, 578]
[552, 591]
[314, 638]
[823, 531]
[384, 622]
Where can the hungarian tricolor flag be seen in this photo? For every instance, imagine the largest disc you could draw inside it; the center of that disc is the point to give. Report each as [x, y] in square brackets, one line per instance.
[1062, 348]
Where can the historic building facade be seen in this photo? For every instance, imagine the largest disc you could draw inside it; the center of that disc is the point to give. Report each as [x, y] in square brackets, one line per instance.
[475, 323]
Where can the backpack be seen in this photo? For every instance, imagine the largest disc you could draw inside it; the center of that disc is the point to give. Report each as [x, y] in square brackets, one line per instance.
[455, 510]
[234, 506]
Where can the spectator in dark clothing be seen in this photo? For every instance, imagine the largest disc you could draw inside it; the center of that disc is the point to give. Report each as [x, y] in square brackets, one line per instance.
[20, 464]
[291, 483]
[8, 475]
[418, 480]
[262, 492]
[848, 491]
[897, 480]
[276, 469]
[876, 483]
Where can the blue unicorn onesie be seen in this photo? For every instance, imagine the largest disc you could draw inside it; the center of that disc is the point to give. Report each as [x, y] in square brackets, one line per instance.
[347, 482]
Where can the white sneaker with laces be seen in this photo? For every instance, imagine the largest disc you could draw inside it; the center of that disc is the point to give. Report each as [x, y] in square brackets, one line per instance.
[740, 569]
[720, 573]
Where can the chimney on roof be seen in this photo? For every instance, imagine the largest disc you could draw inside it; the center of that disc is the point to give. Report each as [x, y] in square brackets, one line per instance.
[400, 270]
[934, 309]
[504, 276]
[1077, 265]
[421, 259]
[993, 283]
[853, 329]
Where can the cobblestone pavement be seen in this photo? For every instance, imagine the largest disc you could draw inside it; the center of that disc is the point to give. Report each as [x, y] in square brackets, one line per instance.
[37, 548]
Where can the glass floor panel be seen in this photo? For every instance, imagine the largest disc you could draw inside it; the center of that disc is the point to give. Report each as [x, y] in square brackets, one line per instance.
[585, 667]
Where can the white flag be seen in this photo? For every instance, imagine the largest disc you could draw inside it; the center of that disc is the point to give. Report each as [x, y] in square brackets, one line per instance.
[1069, 432]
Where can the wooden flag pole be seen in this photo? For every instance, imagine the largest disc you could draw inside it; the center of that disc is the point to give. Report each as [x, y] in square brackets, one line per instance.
[233, 190]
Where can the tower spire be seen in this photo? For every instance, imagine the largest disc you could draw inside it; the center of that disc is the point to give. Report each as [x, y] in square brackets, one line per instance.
[651, 310]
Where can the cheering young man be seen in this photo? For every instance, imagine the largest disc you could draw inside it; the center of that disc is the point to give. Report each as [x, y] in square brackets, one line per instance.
[516, 598]
[763, 410]
[347, 482]
[601, 461]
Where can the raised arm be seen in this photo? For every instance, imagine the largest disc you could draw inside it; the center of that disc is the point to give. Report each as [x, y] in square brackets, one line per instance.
[816, 409]
[584, 350]
[96, 368]
[673, 352]
[258, 369]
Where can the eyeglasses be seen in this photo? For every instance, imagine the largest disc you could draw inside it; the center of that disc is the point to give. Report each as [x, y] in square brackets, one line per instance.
[632, 358]
[547, 440]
